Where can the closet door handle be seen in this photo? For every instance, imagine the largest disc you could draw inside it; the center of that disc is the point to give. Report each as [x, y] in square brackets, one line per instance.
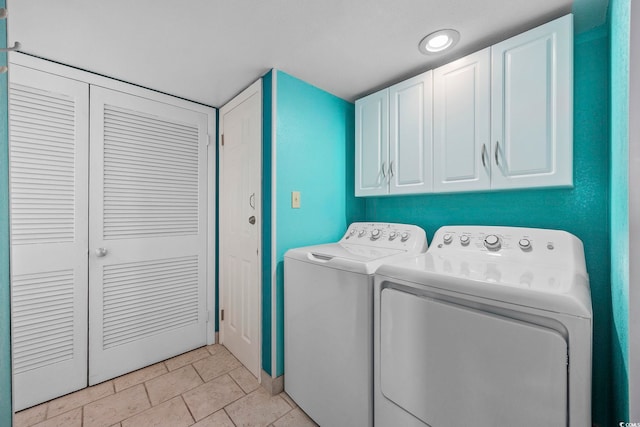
[483, 155]
[384, 175]
[100, 252]
[391, 169]
[496, 153]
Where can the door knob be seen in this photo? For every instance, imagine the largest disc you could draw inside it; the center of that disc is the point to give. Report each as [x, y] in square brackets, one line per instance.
[252, 219]
[100, 252]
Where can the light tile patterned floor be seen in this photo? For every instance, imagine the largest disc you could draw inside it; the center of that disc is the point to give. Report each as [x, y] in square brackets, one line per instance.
[206, 387]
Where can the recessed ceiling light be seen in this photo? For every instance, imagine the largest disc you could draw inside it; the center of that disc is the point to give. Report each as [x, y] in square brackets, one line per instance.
[439, 41]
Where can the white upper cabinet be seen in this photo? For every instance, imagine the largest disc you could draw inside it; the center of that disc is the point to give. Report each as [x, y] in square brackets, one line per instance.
[394, 139]
[461, 134]
[410, 137]
[532, 108]
[372, 144]
[501, 118]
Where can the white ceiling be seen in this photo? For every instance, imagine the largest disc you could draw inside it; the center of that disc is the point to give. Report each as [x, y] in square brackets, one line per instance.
[209, 50]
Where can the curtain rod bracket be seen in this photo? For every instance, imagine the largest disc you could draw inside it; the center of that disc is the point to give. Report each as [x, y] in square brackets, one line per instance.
[16, 46]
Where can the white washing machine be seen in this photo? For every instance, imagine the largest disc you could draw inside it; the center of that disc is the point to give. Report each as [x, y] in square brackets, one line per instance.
[328, 320]
[491, 327]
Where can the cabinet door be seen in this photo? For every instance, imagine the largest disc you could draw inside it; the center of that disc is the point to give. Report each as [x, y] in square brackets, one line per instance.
[372, 144]
[462, 124]
[532, 108]
[410, 140]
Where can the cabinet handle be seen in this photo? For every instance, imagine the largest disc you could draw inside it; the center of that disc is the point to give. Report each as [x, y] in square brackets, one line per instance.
[496, 153]
[383, 174]
[391, 169]
[483, 155]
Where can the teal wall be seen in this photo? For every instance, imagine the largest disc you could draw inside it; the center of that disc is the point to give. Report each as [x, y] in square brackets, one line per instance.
[267, 128]
[582, 210]
[5, 318]
[619, 13]
[314, 142]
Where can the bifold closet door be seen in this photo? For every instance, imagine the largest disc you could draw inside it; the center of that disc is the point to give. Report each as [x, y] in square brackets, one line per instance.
[48, 140]
[147, 240]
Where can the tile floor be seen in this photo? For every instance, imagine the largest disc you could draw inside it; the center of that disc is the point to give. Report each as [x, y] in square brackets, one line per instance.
[205, 387]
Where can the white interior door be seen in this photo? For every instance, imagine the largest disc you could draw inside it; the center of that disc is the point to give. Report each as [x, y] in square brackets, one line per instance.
[48, 138]
[240, 225]
[147, 243]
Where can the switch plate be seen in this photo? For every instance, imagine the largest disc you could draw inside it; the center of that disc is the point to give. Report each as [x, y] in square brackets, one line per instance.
[295, 199]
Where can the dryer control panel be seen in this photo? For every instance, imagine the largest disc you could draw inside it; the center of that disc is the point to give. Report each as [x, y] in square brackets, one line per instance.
[516, 244]
[405, 237]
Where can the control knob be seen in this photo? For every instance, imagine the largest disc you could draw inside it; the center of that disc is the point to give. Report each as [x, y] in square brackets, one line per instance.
[393, 235]
[492, 242]
[404, 236]
[375, 234]
[464, 240]
[447, 238]
[525, 244]
[362, 232]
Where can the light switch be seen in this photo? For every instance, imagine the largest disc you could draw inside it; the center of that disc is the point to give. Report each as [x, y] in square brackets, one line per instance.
[295, 199]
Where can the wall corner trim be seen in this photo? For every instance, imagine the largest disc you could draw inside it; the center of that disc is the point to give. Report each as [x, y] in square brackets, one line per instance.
[271, 384]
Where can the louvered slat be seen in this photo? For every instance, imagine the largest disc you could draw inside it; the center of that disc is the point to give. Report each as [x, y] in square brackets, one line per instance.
[145, 298]
[42, 135]
[42, 319]
[150, 174]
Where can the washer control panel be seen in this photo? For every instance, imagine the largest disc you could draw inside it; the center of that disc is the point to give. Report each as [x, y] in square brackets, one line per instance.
[386, 235]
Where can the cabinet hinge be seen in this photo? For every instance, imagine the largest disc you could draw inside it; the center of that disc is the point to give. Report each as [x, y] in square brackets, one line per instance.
[209, 139]
[222, 139]
[222, 315]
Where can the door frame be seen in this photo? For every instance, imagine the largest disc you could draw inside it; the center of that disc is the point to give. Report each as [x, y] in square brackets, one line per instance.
[253, 89]
[633, 337]
[106, 82]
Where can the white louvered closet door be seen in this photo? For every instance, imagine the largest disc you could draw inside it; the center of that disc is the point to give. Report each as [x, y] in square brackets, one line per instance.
[148, 209]
[48, 139]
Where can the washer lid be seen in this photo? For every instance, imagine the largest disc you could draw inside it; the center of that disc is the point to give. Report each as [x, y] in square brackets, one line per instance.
[365, 246]
[344, 256]
[545, 287]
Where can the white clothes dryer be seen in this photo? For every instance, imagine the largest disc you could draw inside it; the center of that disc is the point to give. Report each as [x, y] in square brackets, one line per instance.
[328, 320]
[491, 327]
